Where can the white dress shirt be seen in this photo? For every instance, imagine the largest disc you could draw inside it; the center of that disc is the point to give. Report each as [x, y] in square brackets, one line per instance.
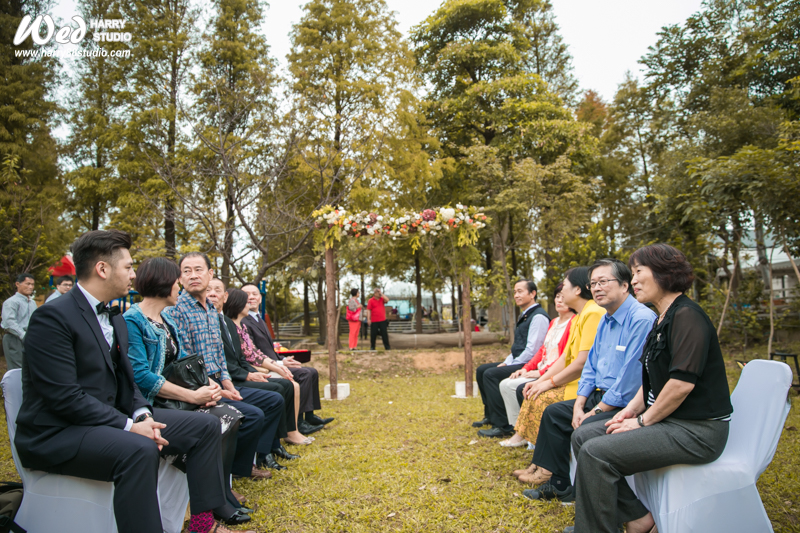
[108, 333]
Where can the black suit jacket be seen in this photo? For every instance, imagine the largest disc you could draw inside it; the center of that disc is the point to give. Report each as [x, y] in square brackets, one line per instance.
[68, 381]
[238, 367]
[260, 334]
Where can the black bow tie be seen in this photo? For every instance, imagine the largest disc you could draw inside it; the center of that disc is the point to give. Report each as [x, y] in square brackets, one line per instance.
[103, 308]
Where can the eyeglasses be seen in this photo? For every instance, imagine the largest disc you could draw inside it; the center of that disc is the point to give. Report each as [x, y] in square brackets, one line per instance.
[601, 283]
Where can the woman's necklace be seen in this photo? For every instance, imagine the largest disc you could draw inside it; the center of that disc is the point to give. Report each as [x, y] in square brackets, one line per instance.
[662, 315]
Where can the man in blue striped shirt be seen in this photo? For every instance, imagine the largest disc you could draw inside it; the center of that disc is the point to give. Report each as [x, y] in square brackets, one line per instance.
[198, 326]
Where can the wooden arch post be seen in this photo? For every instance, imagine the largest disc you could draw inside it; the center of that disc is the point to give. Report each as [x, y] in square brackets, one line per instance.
[466, 317]
[330, 295]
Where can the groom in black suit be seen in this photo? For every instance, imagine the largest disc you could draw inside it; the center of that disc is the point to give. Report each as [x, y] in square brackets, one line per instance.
[82, 415]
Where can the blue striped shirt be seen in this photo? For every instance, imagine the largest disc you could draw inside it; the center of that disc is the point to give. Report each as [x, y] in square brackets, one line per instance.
[198, 328]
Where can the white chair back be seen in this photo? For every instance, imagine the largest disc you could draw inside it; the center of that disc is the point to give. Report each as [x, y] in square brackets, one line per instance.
[760, 406]
[12, 397]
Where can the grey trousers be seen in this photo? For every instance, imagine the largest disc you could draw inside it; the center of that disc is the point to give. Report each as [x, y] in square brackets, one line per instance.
[13, 349]
[603, 497]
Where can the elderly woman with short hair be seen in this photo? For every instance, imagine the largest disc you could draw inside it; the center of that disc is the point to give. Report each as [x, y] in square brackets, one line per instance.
[680, 414]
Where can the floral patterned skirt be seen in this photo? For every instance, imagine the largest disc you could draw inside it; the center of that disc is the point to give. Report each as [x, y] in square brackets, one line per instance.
[530, 414]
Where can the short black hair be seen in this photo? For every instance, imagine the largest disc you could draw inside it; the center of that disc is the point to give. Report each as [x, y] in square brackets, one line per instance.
[619, 270]
[234, 305]
[195, 254]
[62, 279]
[254, 284]
[671, 270]
[579, 277]
[530, 285]
[97, 245]
[353, 292]
[25, 275]
[224, 285]
[156, 276]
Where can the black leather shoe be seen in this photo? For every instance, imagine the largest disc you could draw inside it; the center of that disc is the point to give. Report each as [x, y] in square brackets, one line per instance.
[546, 491]
[246, 510]
[314, 420]
[307, 429]
[235, 519]
[481, 423]
[281, 452]
[494, 433]
[270, 462]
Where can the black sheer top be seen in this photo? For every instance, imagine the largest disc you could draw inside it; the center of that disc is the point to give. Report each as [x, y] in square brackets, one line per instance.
[685, 346]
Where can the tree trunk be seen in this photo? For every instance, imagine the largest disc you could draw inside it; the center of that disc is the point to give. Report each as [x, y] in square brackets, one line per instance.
[169, 230]
[418, 304]
[513, 248]
[761, 253]
[771, 307]
[363, 300]
[330, 283]
[727, 297]
[791, 260]
[227, 240]
[435, 309]
[467, 335]
[321, 310]
[306, 309]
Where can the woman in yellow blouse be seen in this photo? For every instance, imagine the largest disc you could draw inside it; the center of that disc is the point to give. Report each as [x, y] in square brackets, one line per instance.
[560, 382]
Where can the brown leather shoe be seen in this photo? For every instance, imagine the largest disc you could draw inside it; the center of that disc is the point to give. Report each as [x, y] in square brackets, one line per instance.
[537, 478]
[257, 473]
[241, 498]
[530, 470]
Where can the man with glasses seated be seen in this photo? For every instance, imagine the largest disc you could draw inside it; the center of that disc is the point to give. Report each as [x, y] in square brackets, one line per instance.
[611, 377]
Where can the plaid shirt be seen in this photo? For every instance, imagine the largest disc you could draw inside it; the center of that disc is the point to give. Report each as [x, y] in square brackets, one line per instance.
[199, 331]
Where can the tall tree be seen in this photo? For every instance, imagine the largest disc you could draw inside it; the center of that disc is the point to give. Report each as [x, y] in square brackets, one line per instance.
[32, 234]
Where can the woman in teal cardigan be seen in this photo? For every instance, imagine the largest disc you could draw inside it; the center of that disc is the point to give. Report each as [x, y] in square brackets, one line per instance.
[154, 344]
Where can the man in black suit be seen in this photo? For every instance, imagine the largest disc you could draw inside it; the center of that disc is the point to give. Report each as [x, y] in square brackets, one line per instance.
[307, 378]
[82, 414]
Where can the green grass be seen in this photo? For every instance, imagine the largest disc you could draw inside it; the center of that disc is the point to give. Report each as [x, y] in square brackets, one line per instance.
[402, 456]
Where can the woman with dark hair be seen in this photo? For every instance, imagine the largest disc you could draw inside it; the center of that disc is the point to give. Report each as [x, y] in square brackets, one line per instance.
[552, 349]
[154, 346]
[680, 414]
[560, 381]
[353, 318]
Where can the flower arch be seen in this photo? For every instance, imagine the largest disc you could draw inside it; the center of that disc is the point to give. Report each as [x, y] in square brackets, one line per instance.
[461, 224]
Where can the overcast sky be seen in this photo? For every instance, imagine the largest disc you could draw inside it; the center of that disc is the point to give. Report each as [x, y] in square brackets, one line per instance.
[606, 37]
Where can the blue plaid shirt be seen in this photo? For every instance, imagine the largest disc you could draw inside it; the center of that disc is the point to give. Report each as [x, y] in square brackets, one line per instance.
[198, 328]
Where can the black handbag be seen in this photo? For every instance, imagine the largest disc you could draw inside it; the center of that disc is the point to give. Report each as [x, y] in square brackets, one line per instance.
[188, 373]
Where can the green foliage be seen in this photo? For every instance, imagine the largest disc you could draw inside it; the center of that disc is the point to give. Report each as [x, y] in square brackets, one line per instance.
[31, 236]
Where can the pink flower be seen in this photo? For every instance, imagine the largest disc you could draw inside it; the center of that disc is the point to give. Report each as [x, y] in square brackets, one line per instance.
[429, 215]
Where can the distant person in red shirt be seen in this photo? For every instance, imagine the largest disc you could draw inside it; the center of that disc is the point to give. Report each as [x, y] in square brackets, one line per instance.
[376, 316]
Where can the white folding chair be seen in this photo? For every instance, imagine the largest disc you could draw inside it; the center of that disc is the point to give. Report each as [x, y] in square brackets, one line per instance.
[722, 496]
[73, 505]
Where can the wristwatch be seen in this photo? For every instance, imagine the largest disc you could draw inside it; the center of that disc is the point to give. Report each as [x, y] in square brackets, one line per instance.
[640, 419]
[598, 410]
[142, 416]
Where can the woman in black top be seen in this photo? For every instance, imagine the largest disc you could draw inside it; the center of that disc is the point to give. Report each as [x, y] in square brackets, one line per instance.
[680, 414]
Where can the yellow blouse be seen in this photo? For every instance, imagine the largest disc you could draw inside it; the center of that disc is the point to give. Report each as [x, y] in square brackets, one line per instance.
[581, 338]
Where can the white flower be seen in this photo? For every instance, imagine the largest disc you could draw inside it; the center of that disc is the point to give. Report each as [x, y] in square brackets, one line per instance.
[447, 213]
[380, 217]
[422, 232]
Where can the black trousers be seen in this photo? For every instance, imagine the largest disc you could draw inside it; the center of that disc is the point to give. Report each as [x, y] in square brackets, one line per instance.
[375, 328]
[130, 461]
[308, 379]
[489, 376]
[362, 333]
[258, 432]
[283, 387]
[555, 431]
